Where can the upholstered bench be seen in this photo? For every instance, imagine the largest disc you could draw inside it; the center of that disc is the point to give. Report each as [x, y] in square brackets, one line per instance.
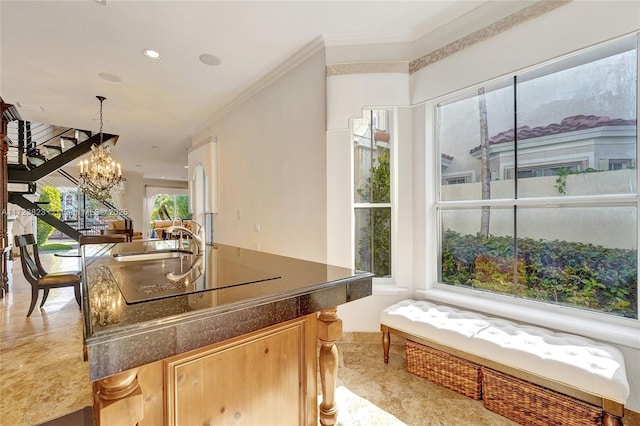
[526, 373]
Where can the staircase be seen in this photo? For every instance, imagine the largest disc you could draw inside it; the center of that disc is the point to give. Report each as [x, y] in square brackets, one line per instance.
[37, 153]
[37, 150]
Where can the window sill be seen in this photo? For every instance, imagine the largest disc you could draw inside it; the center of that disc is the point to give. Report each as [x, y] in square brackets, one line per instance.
[605, 328]
[388, 289]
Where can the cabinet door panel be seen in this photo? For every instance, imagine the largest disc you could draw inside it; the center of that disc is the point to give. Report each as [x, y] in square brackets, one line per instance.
[260, 381]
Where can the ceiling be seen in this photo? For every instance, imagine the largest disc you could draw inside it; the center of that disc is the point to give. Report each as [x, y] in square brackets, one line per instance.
[53, 53]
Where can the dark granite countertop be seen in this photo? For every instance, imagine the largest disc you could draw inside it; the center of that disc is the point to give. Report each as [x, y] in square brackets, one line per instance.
[143, 311]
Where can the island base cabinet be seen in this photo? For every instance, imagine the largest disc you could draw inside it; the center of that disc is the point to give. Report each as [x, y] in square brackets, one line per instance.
[118, 399]
[265, 378]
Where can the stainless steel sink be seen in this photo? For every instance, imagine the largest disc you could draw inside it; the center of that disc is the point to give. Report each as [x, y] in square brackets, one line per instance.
[134, 256]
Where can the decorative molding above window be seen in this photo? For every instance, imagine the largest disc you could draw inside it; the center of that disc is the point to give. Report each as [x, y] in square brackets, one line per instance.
[367, 68]
[533, 11]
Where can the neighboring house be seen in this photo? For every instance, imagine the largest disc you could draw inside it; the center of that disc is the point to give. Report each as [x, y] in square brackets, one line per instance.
[69, 204]
[577, 144]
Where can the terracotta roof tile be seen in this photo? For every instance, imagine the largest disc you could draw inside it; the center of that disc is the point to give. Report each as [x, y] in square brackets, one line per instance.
[382, 136]
[568, 124]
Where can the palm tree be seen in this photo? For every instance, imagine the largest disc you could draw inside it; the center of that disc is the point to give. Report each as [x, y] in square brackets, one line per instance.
[485, 171]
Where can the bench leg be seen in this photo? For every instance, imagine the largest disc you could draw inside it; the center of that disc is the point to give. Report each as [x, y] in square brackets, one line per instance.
[613, 413]
[386, 343]
[611, 420]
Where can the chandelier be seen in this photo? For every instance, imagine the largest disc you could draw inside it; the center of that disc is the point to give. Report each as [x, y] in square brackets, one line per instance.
[100, 176]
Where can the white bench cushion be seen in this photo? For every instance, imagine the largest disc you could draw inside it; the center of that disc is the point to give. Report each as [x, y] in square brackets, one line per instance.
[575, 361]
[443, 324]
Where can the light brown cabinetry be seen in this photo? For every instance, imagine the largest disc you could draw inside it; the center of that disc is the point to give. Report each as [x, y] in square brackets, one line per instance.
[264, 378]
[260, 379]
[242, 352]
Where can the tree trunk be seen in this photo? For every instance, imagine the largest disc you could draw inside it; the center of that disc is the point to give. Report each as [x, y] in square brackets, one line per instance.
[485, 171]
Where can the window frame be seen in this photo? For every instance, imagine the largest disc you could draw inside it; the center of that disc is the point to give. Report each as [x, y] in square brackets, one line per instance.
[598, 325]
[379, 283]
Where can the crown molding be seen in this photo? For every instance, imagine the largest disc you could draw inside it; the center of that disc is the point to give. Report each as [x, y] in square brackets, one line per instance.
[314, 46]
[203, 142]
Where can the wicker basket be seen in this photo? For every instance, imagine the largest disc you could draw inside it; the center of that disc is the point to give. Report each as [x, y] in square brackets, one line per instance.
[443, 369]
[530, 404]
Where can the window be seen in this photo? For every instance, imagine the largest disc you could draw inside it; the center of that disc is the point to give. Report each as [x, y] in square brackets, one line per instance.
[552, 211]
[621, 164]
[372, 141]
[546, 170]
[456, 180]
[170, 206]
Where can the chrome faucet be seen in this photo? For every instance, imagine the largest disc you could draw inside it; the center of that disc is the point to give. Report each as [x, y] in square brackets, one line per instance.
[197, 236]
[195, 268]
[179, 222]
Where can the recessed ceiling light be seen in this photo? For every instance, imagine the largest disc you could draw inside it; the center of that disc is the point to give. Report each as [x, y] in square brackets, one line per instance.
[110, 77]
[186, 167]
[162, 177]
[209, 59]
[151, 54]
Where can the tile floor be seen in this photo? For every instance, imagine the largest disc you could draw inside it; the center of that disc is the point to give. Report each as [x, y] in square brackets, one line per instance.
[43, 376]
[42, 373]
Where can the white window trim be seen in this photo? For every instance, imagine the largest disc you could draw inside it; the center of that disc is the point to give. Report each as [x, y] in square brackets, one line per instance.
[601, 326]
[381, 285]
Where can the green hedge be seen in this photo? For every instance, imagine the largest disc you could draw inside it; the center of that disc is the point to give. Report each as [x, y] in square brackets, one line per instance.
[50, 195]
[569, 273]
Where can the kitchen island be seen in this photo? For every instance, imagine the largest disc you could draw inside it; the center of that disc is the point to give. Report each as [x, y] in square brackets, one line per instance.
[229, 336]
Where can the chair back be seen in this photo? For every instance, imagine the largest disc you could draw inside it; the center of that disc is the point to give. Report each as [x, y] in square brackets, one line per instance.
[31, 266]
[102, 239]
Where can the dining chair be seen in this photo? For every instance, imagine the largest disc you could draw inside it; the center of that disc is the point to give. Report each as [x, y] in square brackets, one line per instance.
[38, 276]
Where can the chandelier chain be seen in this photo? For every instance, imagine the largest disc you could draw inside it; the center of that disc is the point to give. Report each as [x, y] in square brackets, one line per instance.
[100, 176]
[101, 100]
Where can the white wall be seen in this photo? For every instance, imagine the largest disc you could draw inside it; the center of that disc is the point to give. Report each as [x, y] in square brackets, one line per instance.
[133, 199]
[339, 194]
[347, 95]
[272, 165]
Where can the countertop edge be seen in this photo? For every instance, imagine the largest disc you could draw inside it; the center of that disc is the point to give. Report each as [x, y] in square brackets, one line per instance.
[132, 347]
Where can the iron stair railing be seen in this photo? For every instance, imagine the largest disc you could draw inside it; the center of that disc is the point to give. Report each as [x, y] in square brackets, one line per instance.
[37, 150]
[42, 214]
[109, 210]
[79, 215]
